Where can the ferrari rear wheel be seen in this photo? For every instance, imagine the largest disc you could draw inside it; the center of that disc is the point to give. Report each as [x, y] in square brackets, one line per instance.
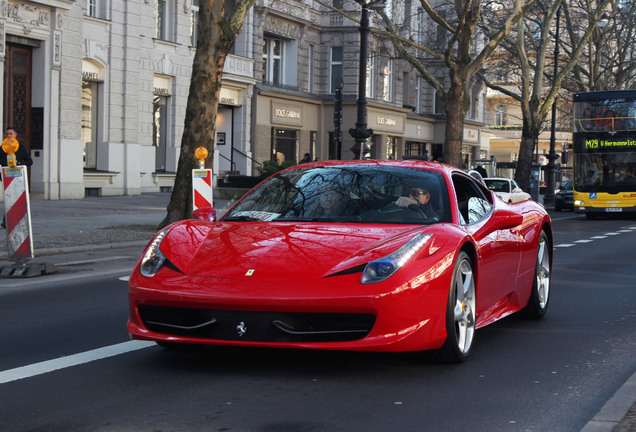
[460, 313]
[540, 295]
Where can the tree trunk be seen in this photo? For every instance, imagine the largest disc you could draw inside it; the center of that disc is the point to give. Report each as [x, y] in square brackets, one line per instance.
[454, 135]
[216, 37]
[529, 138]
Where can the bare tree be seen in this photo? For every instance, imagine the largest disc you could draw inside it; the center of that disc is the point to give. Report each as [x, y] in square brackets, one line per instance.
[462, 50]
[219, 26]
[530, 49]
[609, 59]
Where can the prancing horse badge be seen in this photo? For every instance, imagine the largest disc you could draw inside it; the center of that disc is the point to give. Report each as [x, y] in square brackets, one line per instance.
[241, 328]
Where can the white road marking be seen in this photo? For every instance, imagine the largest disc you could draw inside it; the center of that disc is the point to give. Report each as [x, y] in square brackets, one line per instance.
[564, 245]
[94, 260]
[599, 237]
[583, 241]
[124, 278]
[72, 360]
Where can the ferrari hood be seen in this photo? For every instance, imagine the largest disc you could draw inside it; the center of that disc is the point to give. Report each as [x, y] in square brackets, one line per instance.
[278, 250]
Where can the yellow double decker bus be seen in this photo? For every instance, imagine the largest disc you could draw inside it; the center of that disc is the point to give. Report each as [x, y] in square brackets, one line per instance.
[604, 150]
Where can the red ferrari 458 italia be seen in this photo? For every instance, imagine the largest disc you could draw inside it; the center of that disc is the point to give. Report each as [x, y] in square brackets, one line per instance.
[348, 255]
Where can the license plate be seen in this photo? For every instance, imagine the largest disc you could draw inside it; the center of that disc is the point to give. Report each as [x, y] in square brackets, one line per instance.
[614, 209]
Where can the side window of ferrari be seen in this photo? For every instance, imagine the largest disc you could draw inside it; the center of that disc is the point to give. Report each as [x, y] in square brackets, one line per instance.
[472, 202]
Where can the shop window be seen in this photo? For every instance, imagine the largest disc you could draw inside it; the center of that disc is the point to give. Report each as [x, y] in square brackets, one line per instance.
[285, 145]
[89, 122]
[414, 148]
[391, 148]
[160, 131]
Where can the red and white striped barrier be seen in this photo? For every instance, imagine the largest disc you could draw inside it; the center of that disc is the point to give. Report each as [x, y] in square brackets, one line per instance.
[18, 213]
[202, 188]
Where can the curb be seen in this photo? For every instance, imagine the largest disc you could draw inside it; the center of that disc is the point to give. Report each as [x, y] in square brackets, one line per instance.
[611, 416]
[84, 248]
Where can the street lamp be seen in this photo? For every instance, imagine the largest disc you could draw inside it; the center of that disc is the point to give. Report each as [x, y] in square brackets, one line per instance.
[361, 133]
[548, 199]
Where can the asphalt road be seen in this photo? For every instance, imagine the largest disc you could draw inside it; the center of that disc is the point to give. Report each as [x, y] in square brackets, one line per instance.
[68, 365]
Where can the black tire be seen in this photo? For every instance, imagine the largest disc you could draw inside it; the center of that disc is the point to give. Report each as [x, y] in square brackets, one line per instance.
[460, 312]
[540, 295]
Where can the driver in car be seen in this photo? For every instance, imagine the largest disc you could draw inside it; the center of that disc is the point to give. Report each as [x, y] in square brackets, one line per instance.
[418, 199]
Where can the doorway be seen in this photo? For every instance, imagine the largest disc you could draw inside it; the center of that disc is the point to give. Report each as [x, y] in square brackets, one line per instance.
[17, 92]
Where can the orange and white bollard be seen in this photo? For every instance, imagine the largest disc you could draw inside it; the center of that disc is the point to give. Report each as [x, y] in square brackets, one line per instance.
[202, 195]
[18, 213]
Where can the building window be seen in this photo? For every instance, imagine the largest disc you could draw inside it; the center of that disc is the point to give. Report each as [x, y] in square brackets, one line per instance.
[272, 60]
[284, 145]
[500, 115]
[95, 8]
[91, 8]
[160, 131]
[439, 104]
[370, 89]
[310, 67]
[387, 91]
[336, 67]
[406, 90]
[163, 19]
[90, 99]
[280, 61]
[194, 22]
[419, 37]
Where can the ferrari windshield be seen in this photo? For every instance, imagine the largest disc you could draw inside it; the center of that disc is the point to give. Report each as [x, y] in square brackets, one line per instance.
[349, 193]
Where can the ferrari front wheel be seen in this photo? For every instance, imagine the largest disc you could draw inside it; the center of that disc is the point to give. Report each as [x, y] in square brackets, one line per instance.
[460, 312]
[540, 295]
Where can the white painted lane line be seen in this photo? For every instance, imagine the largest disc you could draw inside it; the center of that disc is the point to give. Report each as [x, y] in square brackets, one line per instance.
[94, 260]
[72, 360]
[612, 234]
[599, 237]
[583, 241]
[564, 245]
[624, 231]
[124, 278]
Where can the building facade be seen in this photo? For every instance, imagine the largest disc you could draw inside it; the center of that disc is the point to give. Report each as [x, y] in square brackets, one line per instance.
[97, 90]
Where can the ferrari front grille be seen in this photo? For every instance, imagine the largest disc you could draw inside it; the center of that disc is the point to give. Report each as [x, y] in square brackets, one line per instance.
[256, 326]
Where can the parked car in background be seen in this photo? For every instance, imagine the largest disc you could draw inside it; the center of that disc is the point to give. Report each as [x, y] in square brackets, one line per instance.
[564, 198]
[506, 189]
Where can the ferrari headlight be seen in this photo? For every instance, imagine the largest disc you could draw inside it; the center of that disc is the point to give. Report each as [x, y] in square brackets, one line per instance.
[153, 259]
[383, 268]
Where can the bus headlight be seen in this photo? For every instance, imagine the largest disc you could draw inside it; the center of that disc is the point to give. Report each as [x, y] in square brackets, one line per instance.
[579, 202]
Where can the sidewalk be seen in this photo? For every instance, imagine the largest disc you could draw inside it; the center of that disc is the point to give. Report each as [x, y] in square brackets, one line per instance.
[103, 223]
[61, 226]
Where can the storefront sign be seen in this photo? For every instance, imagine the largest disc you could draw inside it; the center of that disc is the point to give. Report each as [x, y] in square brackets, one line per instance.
[287, 114]
[471, 135]
[386, 122]
[230, 97]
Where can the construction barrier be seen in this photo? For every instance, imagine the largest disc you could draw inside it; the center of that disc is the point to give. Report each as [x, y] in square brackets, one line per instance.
[17, 213]
[202, 188]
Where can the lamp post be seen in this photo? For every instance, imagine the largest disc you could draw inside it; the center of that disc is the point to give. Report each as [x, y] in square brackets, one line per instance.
[548, 199]
[361, 133]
